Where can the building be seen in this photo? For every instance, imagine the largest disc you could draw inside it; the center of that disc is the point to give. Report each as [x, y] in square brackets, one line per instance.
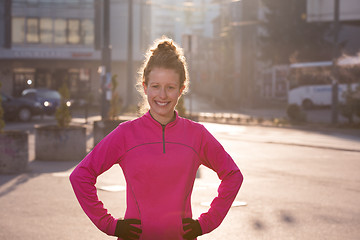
[239, 78]
[275, 79]
[234, 50]
[45, 43]
[176, 18]
[189, 23]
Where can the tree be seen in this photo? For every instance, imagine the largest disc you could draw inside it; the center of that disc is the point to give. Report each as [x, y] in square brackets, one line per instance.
[288, 37]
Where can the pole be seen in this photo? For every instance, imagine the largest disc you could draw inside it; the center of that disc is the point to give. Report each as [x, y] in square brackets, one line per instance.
[335, 86]
[130, 56]
[106, 61]
[7, 26]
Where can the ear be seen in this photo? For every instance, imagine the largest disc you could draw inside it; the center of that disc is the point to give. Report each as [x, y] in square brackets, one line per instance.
[145, 88]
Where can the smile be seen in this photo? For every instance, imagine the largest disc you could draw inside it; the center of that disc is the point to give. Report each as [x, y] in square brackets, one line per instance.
[162, 104]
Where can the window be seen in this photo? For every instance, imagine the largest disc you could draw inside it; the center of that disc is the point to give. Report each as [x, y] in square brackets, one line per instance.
[53, 31]
[46, 30]
[60, 31]
[18, 30]
[32, 34]
[79, 82]
[73, 31]
[87, 31]
[21, 80]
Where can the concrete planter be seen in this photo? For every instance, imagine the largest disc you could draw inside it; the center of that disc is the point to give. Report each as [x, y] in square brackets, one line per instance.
[14, 151]
[103, 128]
[60, 144]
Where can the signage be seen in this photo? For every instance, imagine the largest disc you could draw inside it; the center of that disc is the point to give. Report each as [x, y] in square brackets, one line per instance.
[49, 54]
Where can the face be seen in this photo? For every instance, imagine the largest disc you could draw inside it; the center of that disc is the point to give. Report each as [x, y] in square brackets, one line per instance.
[163, 91]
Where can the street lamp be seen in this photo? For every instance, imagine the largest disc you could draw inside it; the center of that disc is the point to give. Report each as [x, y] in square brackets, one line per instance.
[335, 93]
[106, 62]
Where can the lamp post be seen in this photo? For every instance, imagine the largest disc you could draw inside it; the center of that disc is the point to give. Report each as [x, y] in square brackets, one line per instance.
[335, 93]
[106, 62]
[130, 55]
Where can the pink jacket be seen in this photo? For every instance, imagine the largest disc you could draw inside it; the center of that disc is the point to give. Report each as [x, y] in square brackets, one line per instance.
[159, 164]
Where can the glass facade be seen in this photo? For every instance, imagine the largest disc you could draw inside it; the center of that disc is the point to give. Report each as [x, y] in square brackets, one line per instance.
[73, 28]
[22, 78]
[77, 79]
[32, 30]
[18, 30]
[87, 31]
[69, 3]
[60, 31]
[46, 30]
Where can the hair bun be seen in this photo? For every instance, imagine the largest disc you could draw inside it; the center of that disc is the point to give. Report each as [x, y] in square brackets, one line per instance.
[166, 46]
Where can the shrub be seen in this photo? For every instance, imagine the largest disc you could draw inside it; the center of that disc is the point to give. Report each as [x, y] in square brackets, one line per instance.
[63, 116]
[295, 113]
[115, 101]
[351, 105]
[347, 111]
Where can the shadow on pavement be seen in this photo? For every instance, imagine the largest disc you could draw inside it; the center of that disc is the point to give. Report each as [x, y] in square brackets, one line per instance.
[35, 169]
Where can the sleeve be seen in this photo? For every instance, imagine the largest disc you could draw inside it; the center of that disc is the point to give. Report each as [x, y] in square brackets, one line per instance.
[83, 179]
[216, 158]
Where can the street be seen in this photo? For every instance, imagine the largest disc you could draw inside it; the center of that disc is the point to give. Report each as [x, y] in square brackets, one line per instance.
[297, 185]
[292, 191]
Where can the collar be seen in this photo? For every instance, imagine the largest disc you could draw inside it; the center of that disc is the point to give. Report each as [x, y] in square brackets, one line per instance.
[171, 123]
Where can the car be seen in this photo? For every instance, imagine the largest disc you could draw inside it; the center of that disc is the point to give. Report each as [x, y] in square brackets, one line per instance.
[49, 99]
[20, 108]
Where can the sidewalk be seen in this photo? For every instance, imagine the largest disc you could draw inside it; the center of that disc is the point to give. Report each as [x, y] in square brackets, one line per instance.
[202, 104]
[318, 119]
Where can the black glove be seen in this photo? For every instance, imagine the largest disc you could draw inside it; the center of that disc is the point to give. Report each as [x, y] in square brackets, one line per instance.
[125, 229]
[192, 228]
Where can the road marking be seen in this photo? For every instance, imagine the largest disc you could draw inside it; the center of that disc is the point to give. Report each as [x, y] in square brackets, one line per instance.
[234, 204]
[61, 174]
[112, 188]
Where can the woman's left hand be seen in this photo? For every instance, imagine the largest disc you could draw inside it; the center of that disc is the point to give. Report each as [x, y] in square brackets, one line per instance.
[192, 228]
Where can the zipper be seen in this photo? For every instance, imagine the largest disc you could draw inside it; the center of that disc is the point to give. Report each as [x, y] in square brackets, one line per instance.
[163, 130]
[163, 136]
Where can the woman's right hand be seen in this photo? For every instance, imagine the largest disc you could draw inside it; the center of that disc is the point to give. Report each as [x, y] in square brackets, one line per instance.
[126, 230]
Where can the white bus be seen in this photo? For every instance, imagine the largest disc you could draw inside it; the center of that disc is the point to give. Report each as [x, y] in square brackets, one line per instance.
[317, 95]
[310, 83]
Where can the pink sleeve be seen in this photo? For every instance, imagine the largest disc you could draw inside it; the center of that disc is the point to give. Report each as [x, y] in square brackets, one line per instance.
[83, 179]
[215, 157]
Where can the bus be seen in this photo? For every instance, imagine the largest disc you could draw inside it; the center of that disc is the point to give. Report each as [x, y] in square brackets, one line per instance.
[310, 83]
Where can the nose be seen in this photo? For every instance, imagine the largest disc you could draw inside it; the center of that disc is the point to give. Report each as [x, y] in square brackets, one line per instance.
[163, 93]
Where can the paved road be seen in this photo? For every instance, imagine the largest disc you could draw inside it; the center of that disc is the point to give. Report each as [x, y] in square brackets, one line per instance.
[298, 185]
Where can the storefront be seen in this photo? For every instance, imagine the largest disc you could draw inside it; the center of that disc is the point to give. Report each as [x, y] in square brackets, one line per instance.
[80, 76]
[77, 79]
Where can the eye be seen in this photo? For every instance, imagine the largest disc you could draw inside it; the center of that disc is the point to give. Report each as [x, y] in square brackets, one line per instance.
[155, 86]
[171, 87]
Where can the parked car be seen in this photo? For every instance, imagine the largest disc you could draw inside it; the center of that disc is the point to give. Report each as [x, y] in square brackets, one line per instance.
[20, 108]
[49, 99]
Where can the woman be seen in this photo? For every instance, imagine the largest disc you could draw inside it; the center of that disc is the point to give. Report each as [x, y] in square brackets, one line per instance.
[159, 154]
